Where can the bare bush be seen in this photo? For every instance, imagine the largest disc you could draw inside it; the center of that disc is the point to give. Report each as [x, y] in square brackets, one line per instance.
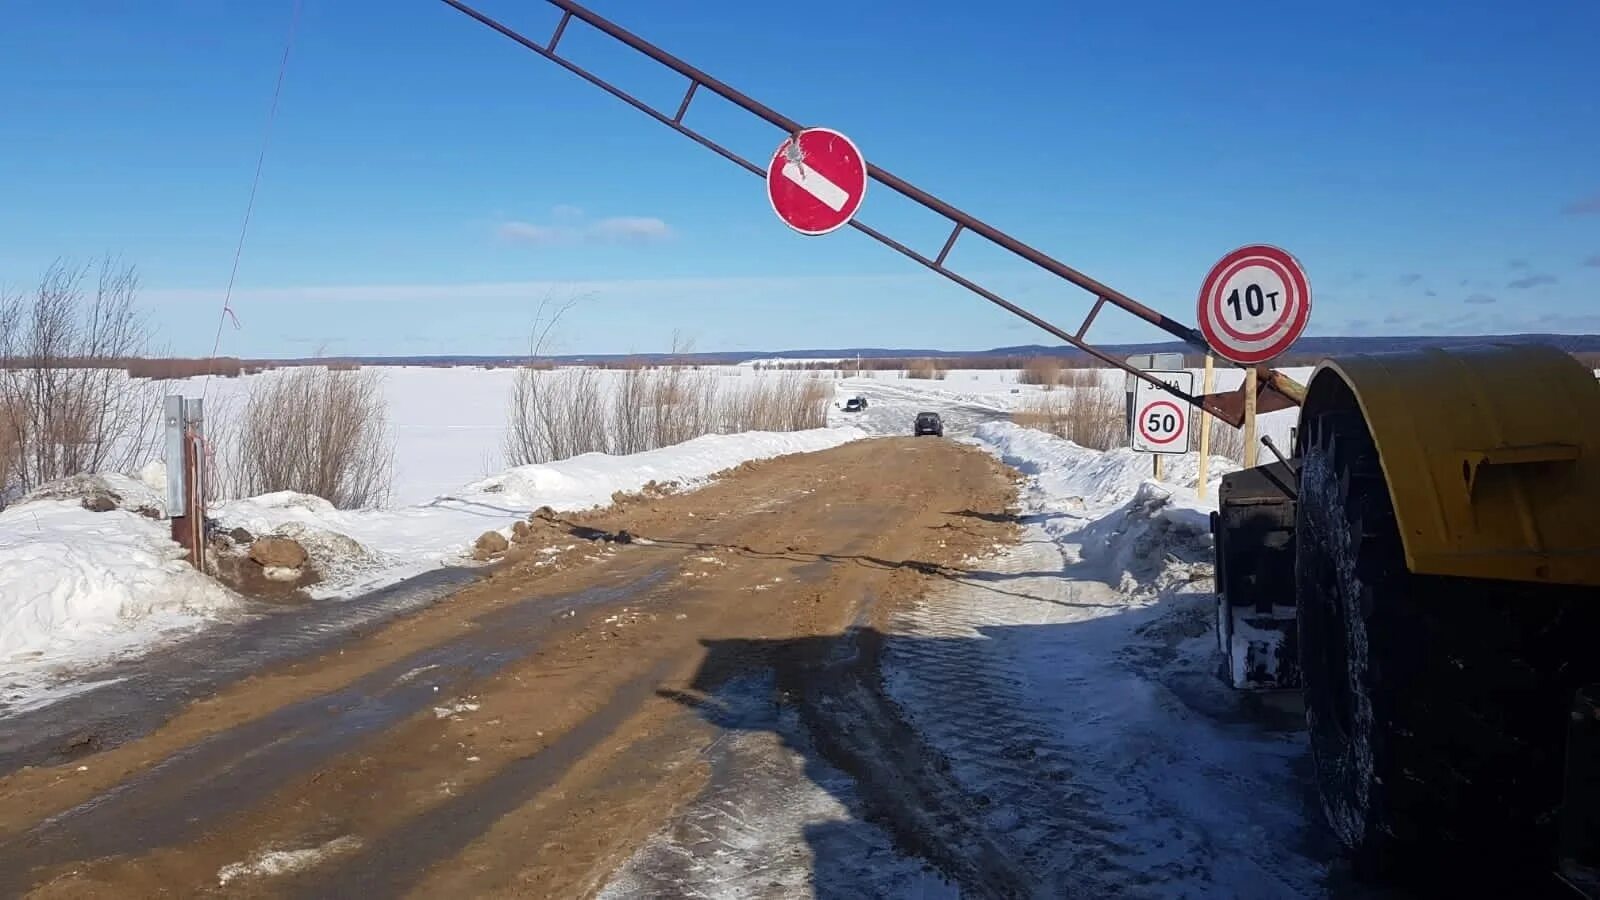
[1227, 441]
[68, 408]
[317, 431]
[926, 369]
[560, 414]
[1081, 378]
[1042, 370]
[1090, 417]
[788, 402]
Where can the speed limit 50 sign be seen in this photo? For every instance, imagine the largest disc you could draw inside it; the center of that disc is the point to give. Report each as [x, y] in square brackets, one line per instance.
[1160, 420]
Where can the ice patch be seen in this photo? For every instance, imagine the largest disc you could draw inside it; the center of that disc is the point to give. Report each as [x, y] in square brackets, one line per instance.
[283, 862]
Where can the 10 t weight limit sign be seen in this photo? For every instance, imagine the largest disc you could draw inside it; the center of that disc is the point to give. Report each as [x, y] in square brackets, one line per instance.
[1160, 420]
[1254, 304]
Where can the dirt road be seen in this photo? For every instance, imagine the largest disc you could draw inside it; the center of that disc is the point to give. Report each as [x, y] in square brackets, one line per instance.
[527, 735]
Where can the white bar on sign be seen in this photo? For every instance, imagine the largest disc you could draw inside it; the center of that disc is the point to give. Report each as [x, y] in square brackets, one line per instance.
[817, 186]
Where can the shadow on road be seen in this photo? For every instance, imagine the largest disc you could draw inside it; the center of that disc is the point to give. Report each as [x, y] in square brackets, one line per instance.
[968, 791]
[973, 785]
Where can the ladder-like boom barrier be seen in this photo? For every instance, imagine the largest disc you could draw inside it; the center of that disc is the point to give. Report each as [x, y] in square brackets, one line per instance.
[1276, 391]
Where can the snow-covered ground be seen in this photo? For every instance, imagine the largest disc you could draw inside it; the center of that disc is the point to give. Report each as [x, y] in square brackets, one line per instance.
[78, 587]
[1086, 658]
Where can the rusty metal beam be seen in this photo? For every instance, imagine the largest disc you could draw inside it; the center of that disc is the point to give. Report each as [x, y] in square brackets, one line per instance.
[1282, 390]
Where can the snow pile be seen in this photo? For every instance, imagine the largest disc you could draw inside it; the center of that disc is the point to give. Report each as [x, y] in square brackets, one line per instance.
[78, 585]
[358, 550]
[1097, 478]
[1146, 534]
[592, 478]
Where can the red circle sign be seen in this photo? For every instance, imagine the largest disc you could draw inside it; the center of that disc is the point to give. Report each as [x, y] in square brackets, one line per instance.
[1254, 304]
[1177, 427]
[816, 181]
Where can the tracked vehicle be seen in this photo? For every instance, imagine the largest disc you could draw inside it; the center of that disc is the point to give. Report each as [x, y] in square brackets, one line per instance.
[1422, 563]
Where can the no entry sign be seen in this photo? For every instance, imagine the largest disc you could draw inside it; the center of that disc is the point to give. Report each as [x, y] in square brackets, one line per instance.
[1254, 304]
[816, 181]
[1160, 420]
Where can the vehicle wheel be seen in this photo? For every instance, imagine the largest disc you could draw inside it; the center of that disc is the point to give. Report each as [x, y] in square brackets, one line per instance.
[1436, 707]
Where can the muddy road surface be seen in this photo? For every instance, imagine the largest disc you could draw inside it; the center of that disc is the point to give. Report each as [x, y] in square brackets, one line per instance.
[621, 673]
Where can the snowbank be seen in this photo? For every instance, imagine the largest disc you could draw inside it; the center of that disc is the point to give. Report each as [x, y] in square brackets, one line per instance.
[1095, 479]
[78, 586]
[1145, 535]
[592, 478]
[397, 543]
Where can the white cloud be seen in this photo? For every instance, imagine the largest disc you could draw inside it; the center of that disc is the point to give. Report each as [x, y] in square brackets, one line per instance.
[569, 227]
[630, 228]
[528, 233]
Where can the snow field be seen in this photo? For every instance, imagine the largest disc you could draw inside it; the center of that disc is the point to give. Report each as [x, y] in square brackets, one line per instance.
[78, 588]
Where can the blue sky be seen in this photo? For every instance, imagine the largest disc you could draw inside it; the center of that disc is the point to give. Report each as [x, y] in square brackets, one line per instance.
[1433, 165]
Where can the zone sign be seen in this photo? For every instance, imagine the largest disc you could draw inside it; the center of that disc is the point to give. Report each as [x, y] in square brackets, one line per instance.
[1160, 420]
[1254, 304]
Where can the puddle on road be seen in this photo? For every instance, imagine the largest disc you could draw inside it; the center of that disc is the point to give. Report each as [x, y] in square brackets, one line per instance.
[132, 699]
[232, 770]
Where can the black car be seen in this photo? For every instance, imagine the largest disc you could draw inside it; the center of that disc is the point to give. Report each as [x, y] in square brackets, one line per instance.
[929, 423]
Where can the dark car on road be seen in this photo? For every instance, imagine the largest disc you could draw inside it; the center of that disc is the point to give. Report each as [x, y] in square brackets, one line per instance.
[929, 423]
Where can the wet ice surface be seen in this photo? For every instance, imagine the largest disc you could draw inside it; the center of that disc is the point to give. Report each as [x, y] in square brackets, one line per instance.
[774, 821]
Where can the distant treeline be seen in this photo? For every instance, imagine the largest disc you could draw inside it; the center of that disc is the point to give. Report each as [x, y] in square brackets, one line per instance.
[161, 368]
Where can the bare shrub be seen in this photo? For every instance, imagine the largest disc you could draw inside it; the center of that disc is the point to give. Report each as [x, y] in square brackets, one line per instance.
[1042, 370]
[9, 449]
[1090, 417]
[571, 411]
[926, 369]
[556, 415]
[789, 402]
[317, 431]
[682, 405]
[68, 408]
[1227, 441]
[1080, 378]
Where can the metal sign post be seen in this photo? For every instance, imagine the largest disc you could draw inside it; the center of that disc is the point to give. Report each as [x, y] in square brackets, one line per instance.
[184, 422]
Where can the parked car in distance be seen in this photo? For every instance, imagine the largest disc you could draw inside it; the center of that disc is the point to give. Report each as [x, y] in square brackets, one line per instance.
[855, 404]
[929, 423]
